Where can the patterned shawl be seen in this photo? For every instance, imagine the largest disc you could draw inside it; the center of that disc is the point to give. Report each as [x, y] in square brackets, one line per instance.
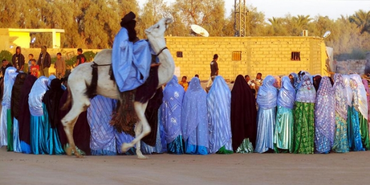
[340, 96]
[306, 92]
[361, 102]
[194, 110]
[325, 110]
[173, 95]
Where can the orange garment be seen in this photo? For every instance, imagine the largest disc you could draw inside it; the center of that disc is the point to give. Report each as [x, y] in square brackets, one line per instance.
[184, 85]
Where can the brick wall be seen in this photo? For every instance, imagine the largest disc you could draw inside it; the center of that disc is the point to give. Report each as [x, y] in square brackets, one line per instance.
[351, 66]
[268, 55]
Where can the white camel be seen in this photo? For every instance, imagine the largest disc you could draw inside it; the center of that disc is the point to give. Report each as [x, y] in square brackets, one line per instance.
[81, 77]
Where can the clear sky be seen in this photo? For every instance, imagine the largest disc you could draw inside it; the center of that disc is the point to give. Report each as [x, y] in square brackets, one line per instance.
[279, 8]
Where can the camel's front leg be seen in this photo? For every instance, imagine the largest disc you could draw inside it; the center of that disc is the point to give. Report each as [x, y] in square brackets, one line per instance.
[140, 111]
[138, 130]
[69, 122]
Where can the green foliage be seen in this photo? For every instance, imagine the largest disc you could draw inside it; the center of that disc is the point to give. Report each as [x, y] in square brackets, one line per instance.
[53, 60]
[356, 54]
[71, 61]
[362, 20]
[89, 55]
[4, 54]
[94, 23]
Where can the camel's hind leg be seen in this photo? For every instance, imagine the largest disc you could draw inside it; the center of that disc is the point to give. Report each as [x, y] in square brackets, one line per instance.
[79, 105]
[143, 127]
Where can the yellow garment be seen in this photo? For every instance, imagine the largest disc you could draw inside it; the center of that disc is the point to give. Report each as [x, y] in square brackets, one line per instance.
[184, 85]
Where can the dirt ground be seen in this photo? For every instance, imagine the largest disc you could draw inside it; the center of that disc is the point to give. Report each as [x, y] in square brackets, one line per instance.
[351, 168]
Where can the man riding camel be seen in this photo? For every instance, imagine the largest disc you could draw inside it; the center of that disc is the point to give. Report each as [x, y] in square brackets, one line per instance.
[131, 57]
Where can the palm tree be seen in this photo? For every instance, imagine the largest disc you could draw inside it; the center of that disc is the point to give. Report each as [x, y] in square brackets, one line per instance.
[277, 24]
[276, 21]
[362, 20]
[302, 20]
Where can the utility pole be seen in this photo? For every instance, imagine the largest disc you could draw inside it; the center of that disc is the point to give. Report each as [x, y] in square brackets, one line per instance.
[240, 18]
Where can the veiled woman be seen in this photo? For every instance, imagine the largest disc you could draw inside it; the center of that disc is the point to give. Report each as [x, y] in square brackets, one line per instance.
[304, 116]
[36, 95]
[341, 139]
[295, 80]
[51, 101]
[99, 115]
[6, 136]
[25, 119]
[194, 119]
[283, 134]
[243, 117]
[218, 105]
[171, 108]
[353, 129]
[360, 109]
[266, 100]
[15, 109]
[325, 116]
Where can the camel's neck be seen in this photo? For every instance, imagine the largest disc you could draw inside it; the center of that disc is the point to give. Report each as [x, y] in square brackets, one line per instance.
[167, 67]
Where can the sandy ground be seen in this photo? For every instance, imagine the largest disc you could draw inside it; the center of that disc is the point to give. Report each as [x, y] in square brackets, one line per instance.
[351, 168]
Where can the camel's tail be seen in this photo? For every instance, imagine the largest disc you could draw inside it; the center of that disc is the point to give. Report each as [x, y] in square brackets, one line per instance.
[91, 89]
[69, 100]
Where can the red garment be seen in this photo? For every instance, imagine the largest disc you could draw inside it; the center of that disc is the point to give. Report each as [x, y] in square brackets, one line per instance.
[35, 70]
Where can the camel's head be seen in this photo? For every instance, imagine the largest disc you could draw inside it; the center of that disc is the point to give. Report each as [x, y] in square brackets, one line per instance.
[157, 30]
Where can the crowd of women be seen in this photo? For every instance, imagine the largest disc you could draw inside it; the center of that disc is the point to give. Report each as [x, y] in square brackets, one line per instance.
[298, 113]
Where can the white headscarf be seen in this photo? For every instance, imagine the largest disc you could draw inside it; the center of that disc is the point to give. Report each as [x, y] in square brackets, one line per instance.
[346, 79]
[361, 102]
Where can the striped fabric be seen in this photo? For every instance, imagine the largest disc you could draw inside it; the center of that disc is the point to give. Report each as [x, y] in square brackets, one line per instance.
[218, 103]
[102, 141]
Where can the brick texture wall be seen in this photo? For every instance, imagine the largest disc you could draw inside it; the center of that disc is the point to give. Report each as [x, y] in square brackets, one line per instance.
[268, 55]
[351, 66]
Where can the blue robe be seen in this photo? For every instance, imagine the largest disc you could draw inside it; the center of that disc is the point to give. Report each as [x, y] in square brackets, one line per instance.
[99, 114]
[283, 134]
[218, 104]
[173, 95]
[194, 119]
[38, 119]
[9, 78]
[266, 100]
[130, 61]
[145, 149]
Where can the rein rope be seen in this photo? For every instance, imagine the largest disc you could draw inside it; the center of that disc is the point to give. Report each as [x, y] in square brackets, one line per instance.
[161, 51]
[94, 65]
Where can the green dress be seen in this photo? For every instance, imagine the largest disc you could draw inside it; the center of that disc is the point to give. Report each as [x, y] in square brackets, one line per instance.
[283, 130]
[9, 130]
[304, 128]
[364, 130]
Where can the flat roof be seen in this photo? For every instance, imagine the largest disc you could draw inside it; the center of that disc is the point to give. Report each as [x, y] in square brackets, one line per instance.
[42, 30]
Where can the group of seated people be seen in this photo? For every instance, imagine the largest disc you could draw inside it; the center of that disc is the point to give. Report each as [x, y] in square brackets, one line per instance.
[297, 113]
